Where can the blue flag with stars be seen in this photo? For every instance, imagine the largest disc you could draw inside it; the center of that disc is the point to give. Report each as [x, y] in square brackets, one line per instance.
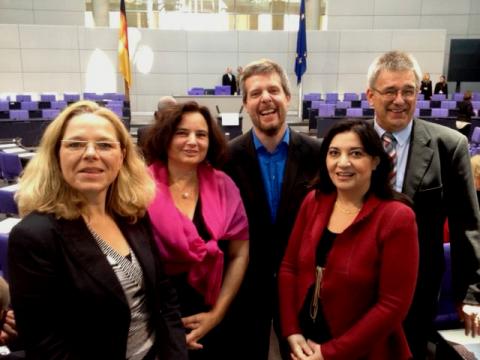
[301, 56]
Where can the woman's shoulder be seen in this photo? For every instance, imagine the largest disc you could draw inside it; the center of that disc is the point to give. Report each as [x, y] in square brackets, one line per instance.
[392, 207]
[35, 225]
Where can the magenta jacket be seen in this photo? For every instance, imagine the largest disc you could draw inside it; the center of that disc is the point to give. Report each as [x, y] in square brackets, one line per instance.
[181, 247]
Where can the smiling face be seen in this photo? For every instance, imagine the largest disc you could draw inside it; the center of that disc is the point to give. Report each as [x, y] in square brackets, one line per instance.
[266, 103]
[91, 168]
[349, 166]
[393, 114]
[189, 144]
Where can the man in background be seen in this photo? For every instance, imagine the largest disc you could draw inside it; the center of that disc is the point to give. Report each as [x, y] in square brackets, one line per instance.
[229, 79]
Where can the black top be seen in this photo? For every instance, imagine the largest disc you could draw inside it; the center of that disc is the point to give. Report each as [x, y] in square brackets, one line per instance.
[441, 88]
[465, 110]
[317, 329]
[426, 89]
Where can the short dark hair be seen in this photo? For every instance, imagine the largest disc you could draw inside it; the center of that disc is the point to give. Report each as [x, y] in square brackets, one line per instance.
[160, 135]
[380, 182]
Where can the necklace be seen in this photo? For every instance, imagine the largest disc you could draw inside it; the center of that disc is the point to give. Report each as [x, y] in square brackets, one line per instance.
[346, 210]
[182, 191]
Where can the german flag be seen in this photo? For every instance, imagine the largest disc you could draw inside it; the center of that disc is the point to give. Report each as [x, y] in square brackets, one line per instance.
[123, 57]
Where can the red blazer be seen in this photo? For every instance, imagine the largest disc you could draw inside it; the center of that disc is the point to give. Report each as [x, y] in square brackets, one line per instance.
[369, 279]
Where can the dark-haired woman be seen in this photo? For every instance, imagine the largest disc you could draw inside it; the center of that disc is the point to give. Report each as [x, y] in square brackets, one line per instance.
[198, 219]
[349, 272]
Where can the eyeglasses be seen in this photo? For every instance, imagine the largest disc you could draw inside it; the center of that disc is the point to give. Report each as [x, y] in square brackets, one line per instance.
[79, 146]
[391, 93]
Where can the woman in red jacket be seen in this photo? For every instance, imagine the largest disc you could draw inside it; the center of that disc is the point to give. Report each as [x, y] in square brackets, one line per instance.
[349, 272]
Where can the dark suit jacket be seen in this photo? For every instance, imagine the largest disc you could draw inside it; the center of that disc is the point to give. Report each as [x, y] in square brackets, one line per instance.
[233, 83]
[439, 180]
[68, 301]
[256, 302]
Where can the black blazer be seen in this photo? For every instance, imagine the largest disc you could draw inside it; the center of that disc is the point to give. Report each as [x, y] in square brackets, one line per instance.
[439, 180]
[256, 301]
[233, 83]
[69, 303]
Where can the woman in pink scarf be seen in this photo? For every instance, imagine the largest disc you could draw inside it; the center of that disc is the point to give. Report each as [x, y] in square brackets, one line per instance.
[197, 216]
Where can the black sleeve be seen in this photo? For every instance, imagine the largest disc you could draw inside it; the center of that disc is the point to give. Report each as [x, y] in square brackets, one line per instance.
[36, 289]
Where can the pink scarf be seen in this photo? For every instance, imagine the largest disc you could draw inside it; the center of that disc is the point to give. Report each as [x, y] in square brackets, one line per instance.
[181, 247]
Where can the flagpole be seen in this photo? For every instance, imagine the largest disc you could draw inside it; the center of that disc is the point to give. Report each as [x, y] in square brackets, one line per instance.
[300, 102]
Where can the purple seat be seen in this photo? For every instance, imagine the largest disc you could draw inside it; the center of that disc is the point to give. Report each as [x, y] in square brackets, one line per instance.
[457, 97]
[331, 98]
[3, 255]
[420, 97]
[24, 98]
[316, 104]
[50, 114]
[343, 104]
[438, 97]
[423, 104]
[476, 96]
[71, 97]
[115, 103]
[60, 104]
[92, 96]
[475, 135]
[476, 104]
[355, 112]
[448, 104]
[7, 202]
[29, 105]
[417, 112]
[196, 91]
[11, 166]
[439, 112]
[350, 96]
[365, 104]
[114, 96]
[312, 97]
[363, 96]
[4, 106]
[326, 110]
[19, 114]
[223, 90]
[47, 97]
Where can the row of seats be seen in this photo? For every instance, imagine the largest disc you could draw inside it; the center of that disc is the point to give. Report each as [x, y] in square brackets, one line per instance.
[333, 97]
[68, 97]
[57, 104]
[218, 90]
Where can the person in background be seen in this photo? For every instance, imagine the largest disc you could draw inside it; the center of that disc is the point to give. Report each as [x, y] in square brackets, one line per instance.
[475, 161]
[432, 167]
[239, 76]
[348, 275]
[272, 165]
[441, 87]
[8, 328]
[198, 221]
[426, 86]
[229, 79]
[465, 108]
[163, 103]
[85, 275]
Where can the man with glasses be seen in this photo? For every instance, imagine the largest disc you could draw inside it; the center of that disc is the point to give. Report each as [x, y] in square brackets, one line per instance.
[432, 167]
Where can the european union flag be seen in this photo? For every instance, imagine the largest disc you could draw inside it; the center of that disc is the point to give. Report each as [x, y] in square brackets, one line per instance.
[301, 56]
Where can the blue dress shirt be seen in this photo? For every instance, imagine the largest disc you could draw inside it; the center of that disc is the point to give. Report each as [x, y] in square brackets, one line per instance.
[272, 166]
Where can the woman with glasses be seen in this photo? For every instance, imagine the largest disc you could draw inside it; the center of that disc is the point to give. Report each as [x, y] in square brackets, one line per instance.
[85, 274]
[348, 275]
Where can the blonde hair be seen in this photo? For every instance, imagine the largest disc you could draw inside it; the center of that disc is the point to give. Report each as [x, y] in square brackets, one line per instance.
[475, 161]
[42, 187]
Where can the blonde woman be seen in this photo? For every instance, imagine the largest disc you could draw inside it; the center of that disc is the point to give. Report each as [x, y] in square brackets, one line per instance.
[85, 276]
